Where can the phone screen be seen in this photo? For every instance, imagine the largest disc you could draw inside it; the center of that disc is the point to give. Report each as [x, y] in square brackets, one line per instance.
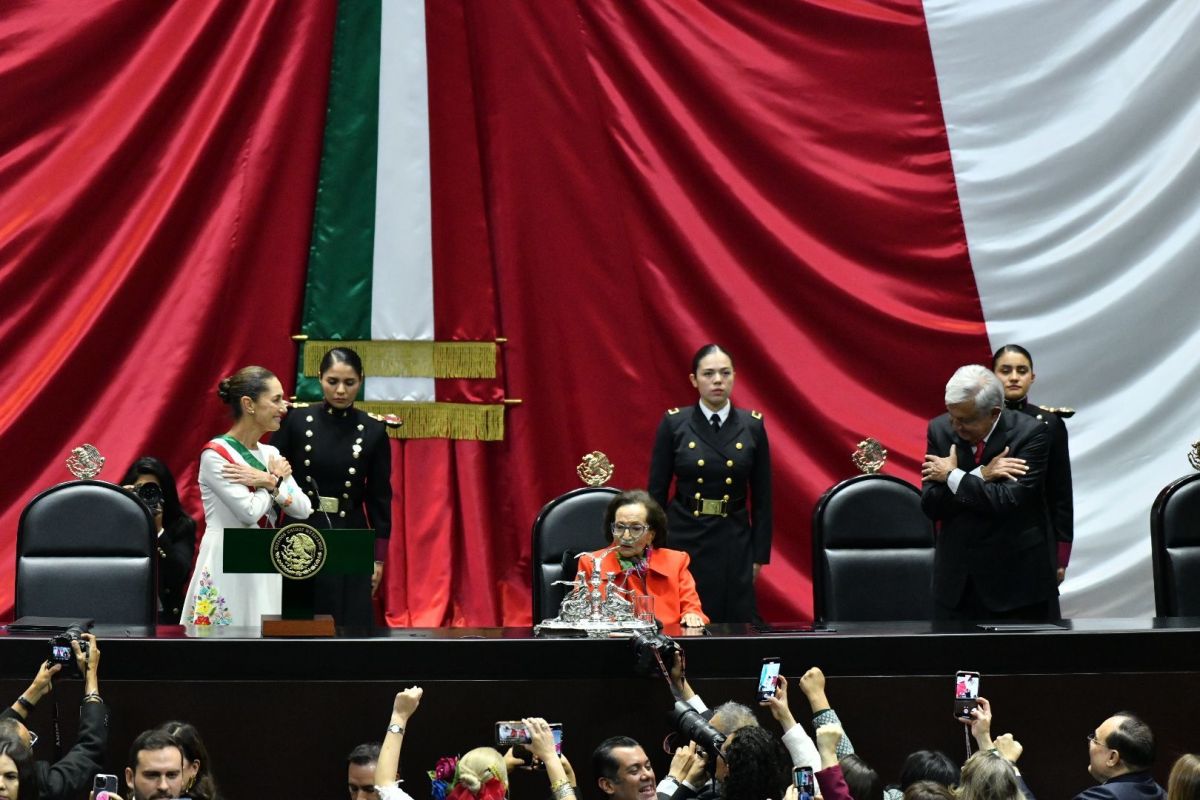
[767, 678]
[556, 730]
[803, 778]
[966, 692]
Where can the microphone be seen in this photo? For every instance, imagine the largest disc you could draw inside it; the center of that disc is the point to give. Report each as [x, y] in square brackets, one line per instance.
[317, 489]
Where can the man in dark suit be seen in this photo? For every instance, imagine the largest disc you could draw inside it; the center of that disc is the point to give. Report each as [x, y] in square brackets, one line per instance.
[1120, 754]
[982, 486]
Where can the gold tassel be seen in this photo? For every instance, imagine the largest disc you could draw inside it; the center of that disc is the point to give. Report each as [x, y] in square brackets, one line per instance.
[411, 359]
[466, 421]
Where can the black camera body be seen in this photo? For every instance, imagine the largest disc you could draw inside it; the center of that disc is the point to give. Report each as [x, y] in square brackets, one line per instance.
[649, 648]
[61, 651]
[692, 726]
[151, 495]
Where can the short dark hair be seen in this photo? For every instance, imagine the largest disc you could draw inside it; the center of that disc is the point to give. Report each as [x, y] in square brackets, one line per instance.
[1133, 740]
[149, 465]
[759, 766]
[1012, 348]
[708, 350]
[928, 765]
[341, 355]
[864, 783]
[603, 763]
[153, 739]
[366, 753]
[656, 518]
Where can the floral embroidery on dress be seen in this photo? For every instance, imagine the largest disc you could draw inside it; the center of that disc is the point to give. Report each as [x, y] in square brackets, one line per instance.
[210, 606]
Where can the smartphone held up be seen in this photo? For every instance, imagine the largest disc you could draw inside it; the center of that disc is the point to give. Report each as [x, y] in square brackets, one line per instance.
[966, 693]
[768, 678]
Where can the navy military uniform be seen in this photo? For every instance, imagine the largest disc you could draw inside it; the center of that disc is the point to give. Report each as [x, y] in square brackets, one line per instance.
[720, 513]
[1060, 504]
[342, 459]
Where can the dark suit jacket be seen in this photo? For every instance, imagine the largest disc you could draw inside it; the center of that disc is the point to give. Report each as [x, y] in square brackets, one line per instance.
[176, 552]
[993, 532]
[71, 777]
[1133, 786]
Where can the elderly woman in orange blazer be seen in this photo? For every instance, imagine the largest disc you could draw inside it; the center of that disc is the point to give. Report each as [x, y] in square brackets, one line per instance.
[643, 564]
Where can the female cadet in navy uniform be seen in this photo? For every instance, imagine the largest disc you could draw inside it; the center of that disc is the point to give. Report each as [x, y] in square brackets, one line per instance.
[1014, 367]
[341, 458]
[720, 513]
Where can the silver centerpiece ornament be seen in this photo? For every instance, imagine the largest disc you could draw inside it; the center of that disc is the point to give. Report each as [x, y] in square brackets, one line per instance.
[85, 462]
[596, 606]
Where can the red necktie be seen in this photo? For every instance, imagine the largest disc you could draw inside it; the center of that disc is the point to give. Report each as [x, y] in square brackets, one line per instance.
[979, 452]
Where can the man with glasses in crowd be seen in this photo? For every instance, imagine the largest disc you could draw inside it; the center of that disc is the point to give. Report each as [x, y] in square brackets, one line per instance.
[1120, 755]
[71, 776]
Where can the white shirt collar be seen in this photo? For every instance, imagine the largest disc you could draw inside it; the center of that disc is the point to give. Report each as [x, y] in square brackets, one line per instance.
[722, 414]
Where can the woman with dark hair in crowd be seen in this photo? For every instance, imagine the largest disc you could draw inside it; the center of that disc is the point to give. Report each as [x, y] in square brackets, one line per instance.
[924, 766]
[1184, 782]
[1013, 365]
[198, 783]
[643, 564]
[720, 513]
[243, 483]
[342, 458]
[756, 766]
[864, 782]
[176, 532]
[18, 778]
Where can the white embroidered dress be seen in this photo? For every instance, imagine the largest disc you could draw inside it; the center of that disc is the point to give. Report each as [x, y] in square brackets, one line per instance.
[215, 597]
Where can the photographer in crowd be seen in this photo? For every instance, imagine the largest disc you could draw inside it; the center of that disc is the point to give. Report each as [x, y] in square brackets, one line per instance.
[154, 485]
[70, 777]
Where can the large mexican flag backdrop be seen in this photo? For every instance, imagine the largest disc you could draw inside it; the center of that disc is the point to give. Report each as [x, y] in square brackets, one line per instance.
[854, 198]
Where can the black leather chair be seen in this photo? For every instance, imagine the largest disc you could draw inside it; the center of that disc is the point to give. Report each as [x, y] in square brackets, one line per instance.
[86, 550]
[1175, 545]
[872, 552]
[565, 527]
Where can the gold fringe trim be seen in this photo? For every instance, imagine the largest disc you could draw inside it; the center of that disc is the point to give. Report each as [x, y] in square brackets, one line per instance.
[411, 359]
[470, 421]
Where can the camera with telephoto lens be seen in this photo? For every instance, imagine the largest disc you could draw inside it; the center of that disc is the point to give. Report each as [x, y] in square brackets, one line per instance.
[151, 495]
[60, 647]
[648, 648]
[693, 727]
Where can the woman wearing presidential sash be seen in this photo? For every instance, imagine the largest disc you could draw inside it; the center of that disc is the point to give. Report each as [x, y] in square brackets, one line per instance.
[243, 484]
[343, 461]
[720, 513]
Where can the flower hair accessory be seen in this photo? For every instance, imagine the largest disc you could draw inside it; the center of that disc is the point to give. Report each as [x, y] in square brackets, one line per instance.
[441, 777]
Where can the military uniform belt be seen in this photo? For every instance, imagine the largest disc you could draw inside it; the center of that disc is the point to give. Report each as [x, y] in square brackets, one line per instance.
[328, 504]
[704, 507]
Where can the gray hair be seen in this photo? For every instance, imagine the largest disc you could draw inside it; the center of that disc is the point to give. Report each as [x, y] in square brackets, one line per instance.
[977, 383]
[731, 717]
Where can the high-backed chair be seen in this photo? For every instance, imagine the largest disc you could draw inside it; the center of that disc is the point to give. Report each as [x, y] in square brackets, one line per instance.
[565, 527]
[872, 552]
[86, 550]
[1175, 545]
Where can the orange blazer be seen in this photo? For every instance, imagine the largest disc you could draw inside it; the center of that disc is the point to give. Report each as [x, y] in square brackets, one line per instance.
[668, 581]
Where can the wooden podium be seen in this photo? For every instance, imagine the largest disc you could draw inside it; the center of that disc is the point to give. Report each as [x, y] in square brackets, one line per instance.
[285, 550]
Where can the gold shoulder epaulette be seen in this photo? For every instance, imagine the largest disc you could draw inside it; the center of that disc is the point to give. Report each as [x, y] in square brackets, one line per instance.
[1061, 411]
[672, 411]
[301, 405]
[756, 414]
[390, 420]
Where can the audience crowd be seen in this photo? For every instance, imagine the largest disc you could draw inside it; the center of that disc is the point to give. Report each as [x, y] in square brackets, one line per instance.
[737, 759]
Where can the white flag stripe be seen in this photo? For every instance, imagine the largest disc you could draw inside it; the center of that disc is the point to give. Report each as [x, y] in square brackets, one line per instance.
[402, 283]
[1074, 128]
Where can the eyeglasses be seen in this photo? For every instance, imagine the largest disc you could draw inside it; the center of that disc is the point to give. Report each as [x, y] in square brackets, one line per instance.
[32, 738]
[1094, 739]
[629, 530]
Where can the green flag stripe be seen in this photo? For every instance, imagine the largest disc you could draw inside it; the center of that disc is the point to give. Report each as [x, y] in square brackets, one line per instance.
[337, 296]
